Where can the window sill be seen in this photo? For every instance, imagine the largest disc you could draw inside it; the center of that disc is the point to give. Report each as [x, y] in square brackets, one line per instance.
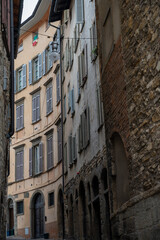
[17, 181]
[47, 114]
[19, 214]
[100, 127]
[79, 97]
[52, 206]
[18, 130]
[18, 91]
[49, 169]
[64, 120]
[68, 110]
[58, 103]
[36, 121]
[72, 114]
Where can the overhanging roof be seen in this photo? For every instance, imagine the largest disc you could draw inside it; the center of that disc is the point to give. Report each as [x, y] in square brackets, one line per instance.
[57, 7]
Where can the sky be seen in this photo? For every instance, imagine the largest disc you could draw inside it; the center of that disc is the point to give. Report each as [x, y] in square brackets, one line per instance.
[28, 8]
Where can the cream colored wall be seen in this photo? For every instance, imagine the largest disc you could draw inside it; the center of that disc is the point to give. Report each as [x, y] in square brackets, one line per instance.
[48, 180]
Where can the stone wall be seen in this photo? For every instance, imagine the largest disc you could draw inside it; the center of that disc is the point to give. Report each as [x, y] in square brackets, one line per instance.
[4, 100]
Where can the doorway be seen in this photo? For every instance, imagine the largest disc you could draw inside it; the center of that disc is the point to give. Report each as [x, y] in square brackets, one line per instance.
[39, 216]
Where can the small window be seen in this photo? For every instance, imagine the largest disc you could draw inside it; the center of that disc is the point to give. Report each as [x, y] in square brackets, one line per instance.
[51, 199]
[47, 62]
[93, 42]
[20, 207]
[99, 107]
[79, 11]
[36, 159]
[35, 69]
[58, 87]
[64, 108]
[59, 135]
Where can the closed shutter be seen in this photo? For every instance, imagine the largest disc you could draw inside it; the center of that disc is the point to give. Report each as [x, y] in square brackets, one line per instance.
[15, 82]
[24, 68]
[39, 66]
[41, 157]
[58, 87]
[50, 98]
[91, 43]
[17, 166]
[72, 101]
[44, 62]
[37, 107]
[74, 149]
[21, 165]
[49, 152]
[65, 158]
[79, 11]
[33, 109]
[47, 95]
[30, 72]
[59, 142]
[84, 134]
[58, 40]
[88, 125]
[75, 40]
[78, 86]
[17, 117]
[30, 163]
[50, 51]
[21, 115]
[70, 149]
[86, 61]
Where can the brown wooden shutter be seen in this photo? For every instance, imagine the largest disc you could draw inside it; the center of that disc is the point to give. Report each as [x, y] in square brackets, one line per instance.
[41, 157]
[30, 163]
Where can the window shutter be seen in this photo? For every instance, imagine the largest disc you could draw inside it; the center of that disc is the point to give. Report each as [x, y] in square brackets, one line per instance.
[33, 109]
[17, 117]
[50, 51]
[17, 167]
[38, 107]
[74, 149]
[41, 157]
[72, 101]
[30, 163]
[91, 43]
[84, 133]
[86, 60]
[58, 39]
[30, 72]
[21, 165]
[59, 142]
[70, 149]
[65, 157]
[15, 82]
[44, 62]
[88, 125]
[24, 68]
[79, 11]
[75, 40]
[47, 94]
[78, 86]
[39, 65]
[51, 151]
[58, 87]
[21, 115]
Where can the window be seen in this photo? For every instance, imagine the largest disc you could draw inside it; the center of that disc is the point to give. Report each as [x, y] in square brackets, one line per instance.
[47, 63]
[36, 158]
[19, 116]
[20, 207]
[63, 72]
[49, 98]
[59, 136]
[76, 37]
[64, 108]
[71, 55]
[51, 199]
[49, 151]
[20, 48]
[58, 87]
[83, 67]
[72, 149]
[84, 130]
[72, 102]
[36, 107]
[93, 42]
[20, 78]
[99, 106]
[66, 56]
[35, 69]
[79, 11]
[19, 164]
[66, 16]
[65, 158]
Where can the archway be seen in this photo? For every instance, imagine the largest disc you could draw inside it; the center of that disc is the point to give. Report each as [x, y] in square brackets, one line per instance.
[82, 211]
[10, 217]
[96, 210]
[37, 215]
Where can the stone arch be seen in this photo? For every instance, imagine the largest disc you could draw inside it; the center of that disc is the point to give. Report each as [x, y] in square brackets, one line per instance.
[37, 198]
[60, 213]
[82, 211]
[97, 231]
[120, 171]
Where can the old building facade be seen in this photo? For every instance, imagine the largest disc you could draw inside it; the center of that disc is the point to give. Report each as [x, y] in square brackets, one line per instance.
[85, 164]
[128, 35]
[35, 151]
[10, 18]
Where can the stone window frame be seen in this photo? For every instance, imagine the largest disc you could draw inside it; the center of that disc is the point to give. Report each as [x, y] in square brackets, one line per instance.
[20, 201]
[53, 205]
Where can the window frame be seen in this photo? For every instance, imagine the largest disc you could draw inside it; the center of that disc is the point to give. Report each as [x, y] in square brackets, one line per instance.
[19, 105]
[17, 151]
[50, 136]
[49, 101]
[17, 202]
[53, 205]
[37, 117]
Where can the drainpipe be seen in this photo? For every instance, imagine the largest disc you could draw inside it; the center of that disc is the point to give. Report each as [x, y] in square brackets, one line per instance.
[63, 219]
[11, 129]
